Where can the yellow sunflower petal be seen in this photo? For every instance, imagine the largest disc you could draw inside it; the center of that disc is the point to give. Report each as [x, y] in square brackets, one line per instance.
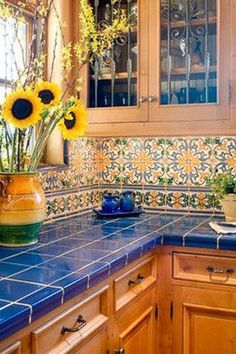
[22, 109]
[75, 123]
[48, 92]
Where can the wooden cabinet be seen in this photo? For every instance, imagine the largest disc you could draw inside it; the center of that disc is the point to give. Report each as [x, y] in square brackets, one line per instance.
[95, 344]
[184, 55]
[181, 301]
[139, 336]
[204, 321]
[13, 349]
[199, 301]
[77, 330]
[135, 318]
[118, 314]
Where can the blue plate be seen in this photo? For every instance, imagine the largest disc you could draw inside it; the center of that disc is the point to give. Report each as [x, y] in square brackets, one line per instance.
[117, 214]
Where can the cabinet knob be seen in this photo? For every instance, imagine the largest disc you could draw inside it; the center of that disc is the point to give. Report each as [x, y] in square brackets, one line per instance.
[142, 99]
[152, 99]
[120, 351]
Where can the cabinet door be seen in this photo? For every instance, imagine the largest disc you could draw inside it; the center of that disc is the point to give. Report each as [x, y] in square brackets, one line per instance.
[138, 338]
[190, 62]
[95, 345]
[117, 83]
[204, 321]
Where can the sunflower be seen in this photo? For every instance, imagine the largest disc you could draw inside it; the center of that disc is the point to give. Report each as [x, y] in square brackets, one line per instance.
[22, 109]
[75, 122]
[48, 92]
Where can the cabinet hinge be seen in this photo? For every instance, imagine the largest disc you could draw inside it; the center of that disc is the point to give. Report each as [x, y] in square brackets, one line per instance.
[156, 311]
[171, 310]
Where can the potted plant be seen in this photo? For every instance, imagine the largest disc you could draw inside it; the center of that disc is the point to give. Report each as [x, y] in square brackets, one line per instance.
[34, 101]
[224, 190]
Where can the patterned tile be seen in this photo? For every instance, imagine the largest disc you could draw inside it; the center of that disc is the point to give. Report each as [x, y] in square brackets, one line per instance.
[225, 154]
[164, 172]
[200, 160]
[178, 156]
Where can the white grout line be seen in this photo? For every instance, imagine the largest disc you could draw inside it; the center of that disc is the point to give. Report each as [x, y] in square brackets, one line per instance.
[194, 228]
[50, 285]
[218, 241]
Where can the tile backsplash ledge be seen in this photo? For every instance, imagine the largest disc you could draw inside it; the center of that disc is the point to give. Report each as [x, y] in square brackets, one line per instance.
[167, 173]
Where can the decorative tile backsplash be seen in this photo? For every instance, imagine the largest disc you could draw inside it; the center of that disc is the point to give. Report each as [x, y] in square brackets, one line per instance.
[166, 173]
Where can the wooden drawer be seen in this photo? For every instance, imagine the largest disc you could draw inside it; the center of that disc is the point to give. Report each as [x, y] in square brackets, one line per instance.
[64, 333]
[12, 349]
[204, 268]
[134, 282]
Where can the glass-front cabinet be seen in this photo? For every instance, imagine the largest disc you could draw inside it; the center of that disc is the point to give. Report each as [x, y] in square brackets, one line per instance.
[172, 65]
[189, 77]
[116, 81]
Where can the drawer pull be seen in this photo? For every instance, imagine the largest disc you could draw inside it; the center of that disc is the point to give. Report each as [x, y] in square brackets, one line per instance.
[81, 322]
[220, 271]
[138, 280]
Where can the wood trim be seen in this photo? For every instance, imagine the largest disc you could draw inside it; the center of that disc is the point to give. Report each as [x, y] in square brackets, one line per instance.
[70, 340]
[13, 349]
[136, 290]
[136, 323]
[180, 128]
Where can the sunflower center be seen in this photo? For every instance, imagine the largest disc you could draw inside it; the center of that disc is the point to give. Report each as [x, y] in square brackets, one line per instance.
[70, 123]
[46, 96]
[22, 109]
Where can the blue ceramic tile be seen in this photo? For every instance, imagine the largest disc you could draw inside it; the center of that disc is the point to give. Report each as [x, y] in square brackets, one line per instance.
[51, 250]
[66, 264]
[228, 242]
[52, 235]
[13, 290]
[181, 227]
[97, 272]
[41, 275]
[7, 252]
[43, 301]
[106, 245]
[70, 242]
[4, 303]
[87, 254]
[125, 222]
[29, 259]
[173, 240]
[117, 261]
[8, 269]
[133, 252]
[202, 237]
[73, 285]
[12, 319]
[148, 245]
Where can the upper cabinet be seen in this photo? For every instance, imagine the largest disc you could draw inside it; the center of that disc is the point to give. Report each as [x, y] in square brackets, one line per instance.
[117, 82]
[171, 74]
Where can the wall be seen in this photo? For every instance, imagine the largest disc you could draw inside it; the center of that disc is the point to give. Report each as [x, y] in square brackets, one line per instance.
[166, 173]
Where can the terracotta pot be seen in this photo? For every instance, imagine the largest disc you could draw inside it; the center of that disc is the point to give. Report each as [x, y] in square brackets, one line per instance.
[229, 206]
[22, 209]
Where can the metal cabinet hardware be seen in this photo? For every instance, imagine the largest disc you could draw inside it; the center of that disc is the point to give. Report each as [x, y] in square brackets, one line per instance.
[152, 99]
[80, 323]
[220, 271]
[120, 351]
[137, 281]
[142, 99]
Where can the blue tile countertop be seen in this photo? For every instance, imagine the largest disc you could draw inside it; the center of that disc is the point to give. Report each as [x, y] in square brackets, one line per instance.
[76, 254]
